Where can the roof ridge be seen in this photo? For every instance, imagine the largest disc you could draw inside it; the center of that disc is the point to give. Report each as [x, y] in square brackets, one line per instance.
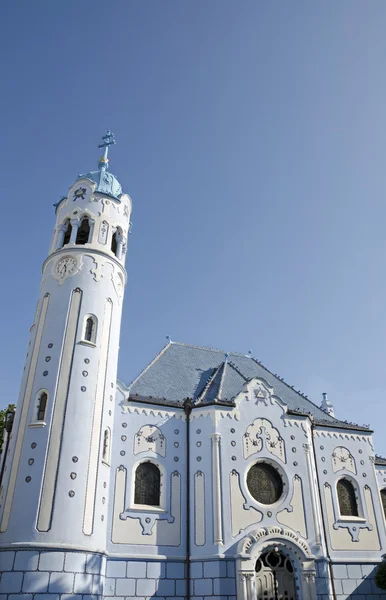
[209, 348]
[219, 395]
[208, 383]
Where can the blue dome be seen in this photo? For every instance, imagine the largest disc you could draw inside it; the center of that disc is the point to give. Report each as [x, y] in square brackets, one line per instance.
[106, 182]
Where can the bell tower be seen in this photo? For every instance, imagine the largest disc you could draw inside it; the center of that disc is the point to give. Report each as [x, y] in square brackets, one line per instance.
[57, 473]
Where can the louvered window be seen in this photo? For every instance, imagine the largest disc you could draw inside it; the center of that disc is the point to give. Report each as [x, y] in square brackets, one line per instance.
[264, 483]
[383, 497]
[347, 500]
[147, 484]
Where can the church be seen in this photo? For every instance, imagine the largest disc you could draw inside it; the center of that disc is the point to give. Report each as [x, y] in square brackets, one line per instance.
[207, 478]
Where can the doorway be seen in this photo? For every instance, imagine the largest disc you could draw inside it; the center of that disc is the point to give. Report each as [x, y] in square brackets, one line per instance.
[274, 577]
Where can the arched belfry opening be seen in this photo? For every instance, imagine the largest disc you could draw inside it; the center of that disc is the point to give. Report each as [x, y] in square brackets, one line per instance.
[275, 579]
[82, 237]
[67, 233]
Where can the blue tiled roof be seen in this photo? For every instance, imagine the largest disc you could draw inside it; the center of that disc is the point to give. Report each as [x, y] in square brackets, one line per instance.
[106, 182]
[206, 376]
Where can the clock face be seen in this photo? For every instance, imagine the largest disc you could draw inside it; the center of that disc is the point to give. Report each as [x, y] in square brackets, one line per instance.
[80, 193]
[66, 266]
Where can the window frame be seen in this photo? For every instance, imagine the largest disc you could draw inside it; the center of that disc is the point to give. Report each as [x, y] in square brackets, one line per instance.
[94, 332]
[35, 422]
[84, 217]
[161, 508]
[358, 497]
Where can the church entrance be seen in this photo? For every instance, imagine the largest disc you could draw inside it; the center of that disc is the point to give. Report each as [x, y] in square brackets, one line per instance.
[274, 577]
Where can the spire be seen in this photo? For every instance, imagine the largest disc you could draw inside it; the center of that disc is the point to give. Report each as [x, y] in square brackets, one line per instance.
[327, 406]
[107, 141]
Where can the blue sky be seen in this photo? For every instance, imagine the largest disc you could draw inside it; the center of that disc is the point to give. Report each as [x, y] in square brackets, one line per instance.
[251, 137]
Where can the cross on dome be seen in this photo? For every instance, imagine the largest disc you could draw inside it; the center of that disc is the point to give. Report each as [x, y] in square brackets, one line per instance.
[107, 140]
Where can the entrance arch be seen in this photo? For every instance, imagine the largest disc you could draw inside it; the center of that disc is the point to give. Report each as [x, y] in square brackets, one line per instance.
[274, 577]
[285, 543]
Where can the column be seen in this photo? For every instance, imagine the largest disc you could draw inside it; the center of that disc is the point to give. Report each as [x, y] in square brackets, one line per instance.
[60, 239]
[217, 508]
[75, 223]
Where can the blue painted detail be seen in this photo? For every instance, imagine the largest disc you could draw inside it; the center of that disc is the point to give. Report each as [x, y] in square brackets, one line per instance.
[136, 569]
[166, 587]
[175, 570]
[231, 569]
[106, 183]
[49, 596]
[224, 586]
[6, 559]
[11, 582]
[215, 568]
[83, 583]
[125, 587]
[36, 582]
[155, 570]
[181, 587]
[75, 562]
[93, 563]
[203, 587]
[196, 570]
[146, 587]
[25, 561]
[51, 561]
[116, 568]
[61, 583]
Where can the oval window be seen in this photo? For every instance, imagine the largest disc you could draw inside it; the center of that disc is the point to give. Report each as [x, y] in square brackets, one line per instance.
[264, 483]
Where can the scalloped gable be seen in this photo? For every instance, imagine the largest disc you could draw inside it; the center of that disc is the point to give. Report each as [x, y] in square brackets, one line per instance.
[209, 376]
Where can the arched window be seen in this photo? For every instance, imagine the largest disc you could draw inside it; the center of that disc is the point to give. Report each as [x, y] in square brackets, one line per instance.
[383, 498]
[90, 329]
[83, 231]
[42, 405]
[67, 233]
[264, 483]
[147, 484]
[106, 446]
[348, 505]
[114, 243]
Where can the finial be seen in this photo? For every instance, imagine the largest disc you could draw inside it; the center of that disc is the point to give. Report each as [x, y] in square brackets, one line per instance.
[249, 353]
[226, 357]
[169, 339]
[107, 141]
[327, 406]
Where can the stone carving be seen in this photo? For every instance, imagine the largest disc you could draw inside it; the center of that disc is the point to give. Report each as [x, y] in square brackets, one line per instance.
[262, 435]
[103, 232]
[150, 439]
[343, 459]
[260, 393]
[97, 270]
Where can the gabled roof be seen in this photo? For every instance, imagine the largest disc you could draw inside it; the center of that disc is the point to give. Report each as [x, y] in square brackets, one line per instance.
[208, 376]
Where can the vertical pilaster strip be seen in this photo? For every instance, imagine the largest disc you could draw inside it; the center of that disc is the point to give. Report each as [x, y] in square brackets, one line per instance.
[88, 518]
[217, 508]
[316, 510]
[199, 509]
[57, 422]
[24, 414]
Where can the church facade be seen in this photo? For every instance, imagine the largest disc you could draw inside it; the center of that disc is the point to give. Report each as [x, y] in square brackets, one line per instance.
[207, 478]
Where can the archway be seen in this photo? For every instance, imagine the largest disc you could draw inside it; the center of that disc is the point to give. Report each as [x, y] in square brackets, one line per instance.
[283, 542]
[274, 577]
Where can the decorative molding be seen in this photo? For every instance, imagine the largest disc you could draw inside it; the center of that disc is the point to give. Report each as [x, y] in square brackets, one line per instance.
[342, 459]
[262, 435]
[199, 509]
[151, 412]
[150, 439]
